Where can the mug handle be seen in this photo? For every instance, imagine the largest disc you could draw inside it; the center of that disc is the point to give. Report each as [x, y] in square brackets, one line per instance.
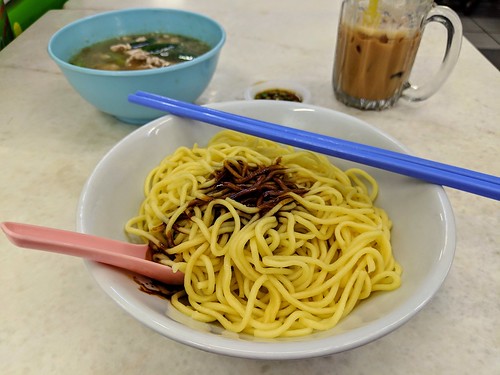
[447, 17]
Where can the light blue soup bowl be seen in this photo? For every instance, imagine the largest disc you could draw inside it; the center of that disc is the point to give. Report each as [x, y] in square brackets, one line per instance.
[108, 90]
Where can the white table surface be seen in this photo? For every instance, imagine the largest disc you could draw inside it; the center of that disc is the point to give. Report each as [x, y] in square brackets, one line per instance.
[55, 320]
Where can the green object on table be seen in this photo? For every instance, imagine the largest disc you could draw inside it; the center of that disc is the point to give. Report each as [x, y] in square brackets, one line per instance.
[6, 35]
[22, 13]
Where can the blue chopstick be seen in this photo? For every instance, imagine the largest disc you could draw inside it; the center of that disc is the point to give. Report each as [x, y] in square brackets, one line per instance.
[427, 170]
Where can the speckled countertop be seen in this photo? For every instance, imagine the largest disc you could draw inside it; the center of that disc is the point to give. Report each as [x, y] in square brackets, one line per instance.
[55, 320]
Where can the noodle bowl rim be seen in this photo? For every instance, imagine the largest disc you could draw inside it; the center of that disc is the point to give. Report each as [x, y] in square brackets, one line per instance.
[121, 288]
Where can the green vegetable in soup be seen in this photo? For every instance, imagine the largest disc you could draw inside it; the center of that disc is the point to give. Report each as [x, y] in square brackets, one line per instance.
[134, 52]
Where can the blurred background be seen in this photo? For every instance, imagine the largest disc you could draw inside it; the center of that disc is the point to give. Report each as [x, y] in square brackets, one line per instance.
[17, 15]
[481, 23]
[480, 19]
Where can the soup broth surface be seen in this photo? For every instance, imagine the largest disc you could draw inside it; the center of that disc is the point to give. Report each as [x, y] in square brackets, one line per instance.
[136, 52]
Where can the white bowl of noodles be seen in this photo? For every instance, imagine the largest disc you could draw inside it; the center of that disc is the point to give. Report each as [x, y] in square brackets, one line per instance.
[422, 237]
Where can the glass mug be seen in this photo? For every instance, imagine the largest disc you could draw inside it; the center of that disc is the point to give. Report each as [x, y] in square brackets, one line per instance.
[376, 47]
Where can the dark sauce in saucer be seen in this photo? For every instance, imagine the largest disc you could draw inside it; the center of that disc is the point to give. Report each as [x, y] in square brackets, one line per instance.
[278, 94]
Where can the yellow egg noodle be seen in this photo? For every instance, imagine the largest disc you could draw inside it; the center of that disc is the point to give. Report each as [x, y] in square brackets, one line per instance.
[297, 267]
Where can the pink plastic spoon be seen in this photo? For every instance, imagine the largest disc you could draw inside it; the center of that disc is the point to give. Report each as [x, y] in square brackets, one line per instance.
[124, 255]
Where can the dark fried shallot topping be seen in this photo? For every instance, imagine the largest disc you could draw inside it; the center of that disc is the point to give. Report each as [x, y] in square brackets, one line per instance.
[261, 186]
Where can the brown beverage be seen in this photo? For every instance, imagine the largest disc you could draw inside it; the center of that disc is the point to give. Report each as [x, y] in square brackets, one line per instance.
[374, 64]
[376, 47]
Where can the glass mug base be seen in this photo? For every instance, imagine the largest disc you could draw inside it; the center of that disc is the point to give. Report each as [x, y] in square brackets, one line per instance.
[366, 104]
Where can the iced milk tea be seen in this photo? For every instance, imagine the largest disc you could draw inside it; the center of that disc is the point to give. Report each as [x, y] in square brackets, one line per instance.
[374, 64]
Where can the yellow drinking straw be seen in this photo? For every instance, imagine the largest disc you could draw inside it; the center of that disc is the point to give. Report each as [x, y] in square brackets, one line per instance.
[372, 15]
